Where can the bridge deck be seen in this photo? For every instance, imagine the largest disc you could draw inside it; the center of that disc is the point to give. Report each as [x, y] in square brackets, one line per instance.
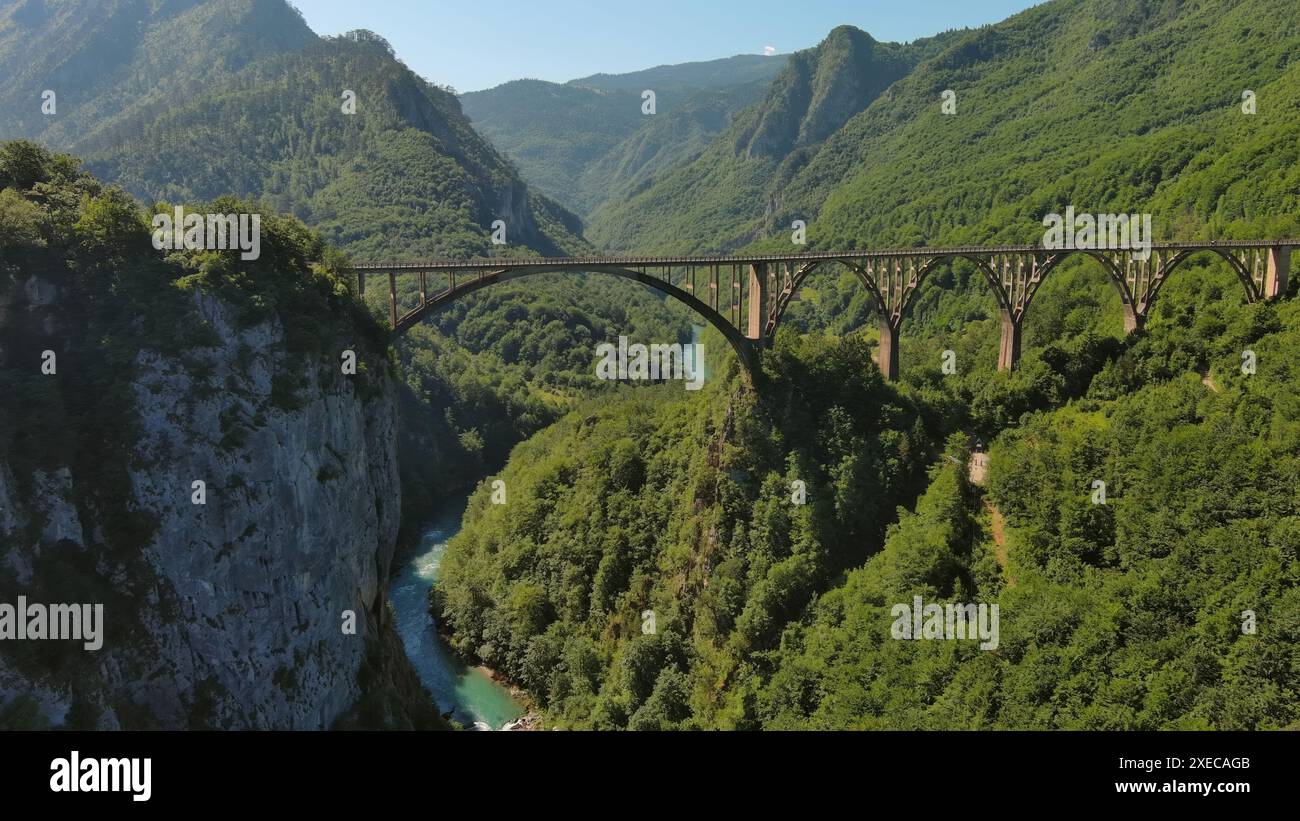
[746, 259]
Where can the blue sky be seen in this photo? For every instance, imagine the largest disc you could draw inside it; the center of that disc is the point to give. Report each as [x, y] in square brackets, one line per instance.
[475, 44]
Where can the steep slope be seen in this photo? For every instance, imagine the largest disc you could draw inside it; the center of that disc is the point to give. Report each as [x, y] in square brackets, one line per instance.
[188, 100]
[403, 176]
[686, 511]
[587, 139]
[1109, 105]
[114, 63]
[664, 142]
[193, 460]
[719, 199]
[552, 131]
[1136, 614]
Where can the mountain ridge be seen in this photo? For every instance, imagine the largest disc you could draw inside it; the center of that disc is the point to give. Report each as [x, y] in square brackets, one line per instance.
[585, 140]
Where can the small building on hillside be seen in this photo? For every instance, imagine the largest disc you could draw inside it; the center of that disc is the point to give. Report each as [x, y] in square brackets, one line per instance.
[979, 464]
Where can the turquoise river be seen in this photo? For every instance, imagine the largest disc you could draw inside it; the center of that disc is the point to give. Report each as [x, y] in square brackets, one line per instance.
[473, 698]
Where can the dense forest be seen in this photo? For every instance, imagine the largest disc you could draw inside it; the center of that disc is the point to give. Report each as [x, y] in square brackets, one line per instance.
[1123, 615]
[1110, 103]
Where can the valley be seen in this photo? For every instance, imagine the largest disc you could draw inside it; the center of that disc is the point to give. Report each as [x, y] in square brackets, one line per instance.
[769, 503]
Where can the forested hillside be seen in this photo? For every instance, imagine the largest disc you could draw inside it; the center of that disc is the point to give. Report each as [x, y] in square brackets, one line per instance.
[589, 140]
[114, 65]
[190, 100]
[1126, 615]
[404, 176]
[716, 201]
[650, 501]
[1122, 615]
[1106, 104]
[1129, 615]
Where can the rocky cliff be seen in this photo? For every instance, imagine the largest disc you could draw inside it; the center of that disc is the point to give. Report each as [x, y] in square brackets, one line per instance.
[230, 613]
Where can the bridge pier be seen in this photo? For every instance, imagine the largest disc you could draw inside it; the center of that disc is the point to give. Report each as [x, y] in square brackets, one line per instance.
[888, 355]
[1133, 321]
[392, 299]
[757, 295]
[1009, 354]
[1277, 272]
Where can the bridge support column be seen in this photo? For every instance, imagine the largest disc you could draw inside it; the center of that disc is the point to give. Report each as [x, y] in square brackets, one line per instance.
[392, 299]
[1009, 354]
[1277, 273]
[888, 355]
[757, 295]
[1133, 320]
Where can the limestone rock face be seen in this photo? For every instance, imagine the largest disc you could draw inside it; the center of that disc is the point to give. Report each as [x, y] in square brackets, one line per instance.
[228, 613]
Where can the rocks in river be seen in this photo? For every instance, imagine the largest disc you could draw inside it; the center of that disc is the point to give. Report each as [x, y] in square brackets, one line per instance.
[532, 721]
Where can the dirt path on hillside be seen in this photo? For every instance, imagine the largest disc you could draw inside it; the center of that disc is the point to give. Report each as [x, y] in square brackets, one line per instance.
[998, 524]
[1208, 381]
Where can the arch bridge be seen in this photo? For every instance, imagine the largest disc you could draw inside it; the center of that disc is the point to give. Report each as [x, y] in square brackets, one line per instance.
[745, 296]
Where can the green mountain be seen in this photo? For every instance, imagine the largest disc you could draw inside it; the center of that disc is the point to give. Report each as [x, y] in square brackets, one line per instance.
[719, 199]
[113, 63]
[664, 142]
[1112, 105]
[187, 101]
[770, 614]
[726, 72]
[404, 176]
[1109, 105]
[554, 131]
[589, 139]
